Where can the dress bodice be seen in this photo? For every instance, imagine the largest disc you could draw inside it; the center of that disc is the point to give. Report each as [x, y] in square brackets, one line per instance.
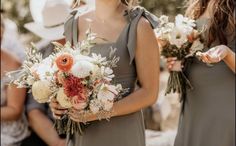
[125, 72]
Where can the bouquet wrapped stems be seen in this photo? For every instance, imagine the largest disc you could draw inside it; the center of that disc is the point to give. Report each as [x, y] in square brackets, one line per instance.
[177, 83]
[67, 126]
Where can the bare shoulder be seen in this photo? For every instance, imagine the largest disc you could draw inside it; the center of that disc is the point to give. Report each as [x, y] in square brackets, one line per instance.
[145, 35]
[145, 31]
[144, 25]
[86, 15]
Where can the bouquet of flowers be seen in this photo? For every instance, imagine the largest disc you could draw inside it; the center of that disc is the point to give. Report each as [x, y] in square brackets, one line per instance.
[181, 40]
[77, 81]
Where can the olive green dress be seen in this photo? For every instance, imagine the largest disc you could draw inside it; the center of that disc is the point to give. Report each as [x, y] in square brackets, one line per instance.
[125, 130]
[208, 118]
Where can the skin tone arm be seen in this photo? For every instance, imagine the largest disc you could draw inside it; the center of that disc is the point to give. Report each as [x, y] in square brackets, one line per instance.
[148, 74]
[45, 131]
[214, 55]
[15, 99]
[230, 60]
[220, 53]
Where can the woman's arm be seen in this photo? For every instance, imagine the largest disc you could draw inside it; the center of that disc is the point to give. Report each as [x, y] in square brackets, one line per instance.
[230, 60]
[15, 99]
[45, 131]
[147, 64]
[15, 103]
[219, 53]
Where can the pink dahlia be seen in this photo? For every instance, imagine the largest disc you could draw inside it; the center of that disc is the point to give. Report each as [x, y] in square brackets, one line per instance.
[73, 86]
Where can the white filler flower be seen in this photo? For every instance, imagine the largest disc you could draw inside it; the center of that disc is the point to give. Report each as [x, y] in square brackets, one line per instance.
[107, 93]
[184, 24]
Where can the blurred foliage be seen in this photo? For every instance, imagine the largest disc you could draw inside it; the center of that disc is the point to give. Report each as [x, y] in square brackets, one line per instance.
[164, 7]
[18, 10]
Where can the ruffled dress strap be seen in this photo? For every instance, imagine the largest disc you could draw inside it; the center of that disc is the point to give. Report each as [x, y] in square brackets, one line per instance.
[133, 16]
[70, 28]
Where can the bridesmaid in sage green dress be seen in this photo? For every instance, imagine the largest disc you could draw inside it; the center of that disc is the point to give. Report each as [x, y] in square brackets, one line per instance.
[208, 117]
[129, 30]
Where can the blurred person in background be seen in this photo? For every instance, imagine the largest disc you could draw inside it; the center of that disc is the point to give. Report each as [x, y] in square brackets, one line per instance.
[14, 126]
[48, 26]
[10, 37]
[208, 117]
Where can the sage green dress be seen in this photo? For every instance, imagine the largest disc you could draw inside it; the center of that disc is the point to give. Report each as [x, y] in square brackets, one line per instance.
[208, 118]
[125, 130]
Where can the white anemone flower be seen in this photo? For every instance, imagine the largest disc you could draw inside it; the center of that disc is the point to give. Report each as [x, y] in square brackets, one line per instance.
[184, 24]
[177, 38]
[82, 69]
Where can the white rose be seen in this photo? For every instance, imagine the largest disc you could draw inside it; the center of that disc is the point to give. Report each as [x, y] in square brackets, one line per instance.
[107, 73]
[41, 91]
[63, 99]
[82, 69]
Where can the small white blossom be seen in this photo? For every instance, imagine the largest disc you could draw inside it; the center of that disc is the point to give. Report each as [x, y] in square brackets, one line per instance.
[184, 24]
[164, 19]
[44, 70]
[63, 100]
[107, 73]
[98, 59]
[107, 105]
[95, 106]
[107, 93]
